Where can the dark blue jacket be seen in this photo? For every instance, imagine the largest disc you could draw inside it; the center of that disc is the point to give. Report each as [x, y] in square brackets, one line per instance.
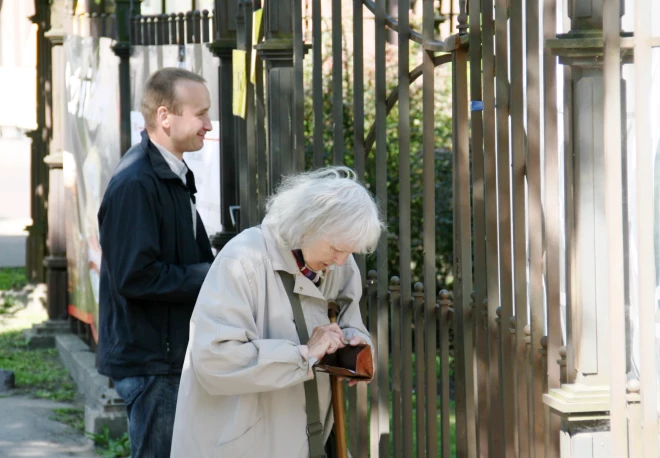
[152, 269]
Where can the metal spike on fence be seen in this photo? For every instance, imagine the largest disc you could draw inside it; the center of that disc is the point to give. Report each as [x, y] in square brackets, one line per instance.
[172, 22]
[181, 39]
[196, 26]
[189, 27]
[205, 26]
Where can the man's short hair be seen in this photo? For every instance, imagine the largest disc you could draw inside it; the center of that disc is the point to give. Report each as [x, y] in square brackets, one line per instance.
[160, 91]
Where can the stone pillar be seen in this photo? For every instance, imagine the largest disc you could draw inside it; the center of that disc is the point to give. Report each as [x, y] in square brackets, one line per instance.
[36, 241]
[583, 400]
[277, 52]
[222, 46]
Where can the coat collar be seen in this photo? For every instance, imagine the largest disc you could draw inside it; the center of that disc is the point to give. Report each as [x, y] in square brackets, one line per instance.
[282, 259]
[158, 162]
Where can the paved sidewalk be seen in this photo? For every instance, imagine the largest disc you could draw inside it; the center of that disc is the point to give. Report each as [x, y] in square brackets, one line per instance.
[26, 430]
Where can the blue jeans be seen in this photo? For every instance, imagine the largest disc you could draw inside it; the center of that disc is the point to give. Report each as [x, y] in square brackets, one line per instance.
[151, 405]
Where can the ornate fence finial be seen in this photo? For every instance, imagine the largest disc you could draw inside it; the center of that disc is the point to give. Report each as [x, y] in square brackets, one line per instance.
[512, 324]
[498, 312]
[462, 18]
[528, 334]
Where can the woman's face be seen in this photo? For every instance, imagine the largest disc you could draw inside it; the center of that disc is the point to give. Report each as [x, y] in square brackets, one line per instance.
[322, 254]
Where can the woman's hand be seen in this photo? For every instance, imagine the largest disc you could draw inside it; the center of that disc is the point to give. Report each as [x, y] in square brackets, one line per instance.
[325, 340]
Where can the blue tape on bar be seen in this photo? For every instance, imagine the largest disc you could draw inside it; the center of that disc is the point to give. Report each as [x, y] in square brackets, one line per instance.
[477, 105]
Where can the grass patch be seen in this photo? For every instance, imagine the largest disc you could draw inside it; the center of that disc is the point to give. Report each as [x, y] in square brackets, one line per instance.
[73, 417]
[109, 447]
[38, 372]
[12, 277]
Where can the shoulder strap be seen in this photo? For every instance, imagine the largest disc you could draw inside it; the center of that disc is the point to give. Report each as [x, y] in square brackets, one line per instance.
[314, 425]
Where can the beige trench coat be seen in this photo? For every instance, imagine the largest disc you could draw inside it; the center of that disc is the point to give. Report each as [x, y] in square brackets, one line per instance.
[241, 392]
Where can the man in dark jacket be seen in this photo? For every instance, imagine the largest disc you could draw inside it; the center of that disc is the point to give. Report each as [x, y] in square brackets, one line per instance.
[156, 254]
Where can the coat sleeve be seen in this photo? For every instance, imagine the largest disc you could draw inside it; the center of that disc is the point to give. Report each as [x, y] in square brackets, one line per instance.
[129, 226]
[350, 319]
[226, 353]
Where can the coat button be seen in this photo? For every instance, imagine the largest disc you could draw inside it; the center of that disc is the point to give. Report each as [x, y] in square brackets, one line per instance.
[301, 288]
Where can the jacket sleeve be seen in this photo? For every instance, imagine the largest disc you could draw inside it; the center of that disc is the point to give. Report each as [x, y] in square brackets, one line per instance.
[350, 319]
[226, 353]
[129, 225]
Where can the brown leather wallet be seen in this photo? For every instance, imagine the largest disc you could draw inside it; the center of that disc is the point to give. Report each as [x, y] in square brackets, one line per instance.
[352, 362]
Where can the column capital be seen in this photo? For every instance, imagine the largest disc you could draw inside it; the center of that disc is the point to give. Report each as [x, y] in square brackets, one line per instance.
[577, 401]
[222, 48]
[584, 48]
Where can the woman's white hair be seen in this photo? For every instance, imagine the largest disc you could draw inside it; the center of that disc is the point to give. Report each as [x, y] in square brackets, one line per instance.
[328, 204]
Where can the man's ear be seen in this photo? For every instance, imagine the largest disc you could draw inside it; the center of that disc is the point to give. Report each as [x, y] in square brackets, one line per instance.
[162, 117]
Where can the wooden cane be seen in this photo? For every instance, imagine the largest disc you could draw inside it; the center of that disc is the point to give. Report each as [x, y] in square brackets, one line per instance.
[338, 403]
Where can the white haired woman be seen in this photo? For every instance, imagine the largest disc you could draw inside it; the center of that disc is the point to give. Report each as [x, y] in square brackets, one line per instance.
[241, 391]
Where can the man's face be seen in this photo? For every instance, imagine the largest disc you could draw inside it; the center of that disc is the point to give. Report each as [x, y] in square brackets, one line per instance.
[187, 129]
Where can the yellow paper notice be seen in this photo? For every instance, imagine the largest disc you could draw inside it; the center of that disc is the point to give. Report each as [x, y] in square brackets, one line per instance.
[239, 97]
[256, 38]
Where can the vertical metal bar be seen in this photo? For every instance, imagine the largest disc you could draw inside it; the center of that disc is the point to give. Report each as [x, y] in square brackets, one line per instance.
[362, 401]
[197, 26]
[614, 219]
[173, 38]
[164, 30]
[337, 92]
[380, 438]
[420, 370]
[395, 314]
[151, 26]
[317, 82]
[444, 315]
[496, 418]
[407, 311]
[262, 160]
[428, 183]
[534, 173]
[181, 40]
[104, 25]
[358, 89]
[504, 195]
[519, 222]
[243, 39]
[645, 205]
[465, 408]
[405, 433]
[250, 121]
[481, 338]
[135, 30]
[205, 27]
[372, 288]
[190, 36]
[298, 90]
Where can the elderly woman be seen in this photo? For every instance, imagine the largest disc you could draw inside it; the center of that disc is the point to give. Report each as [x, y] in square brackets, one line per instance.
[242, 390]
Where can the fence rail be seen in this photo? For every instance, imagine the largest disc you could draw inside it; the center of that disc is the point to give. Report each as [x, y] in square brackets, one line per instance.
[175, 28]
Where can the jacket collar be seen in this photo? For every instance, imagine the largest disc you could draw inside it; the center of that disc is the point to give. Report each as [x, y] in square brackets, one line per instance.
[280, 256]
[282, 259]
[158, 162]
